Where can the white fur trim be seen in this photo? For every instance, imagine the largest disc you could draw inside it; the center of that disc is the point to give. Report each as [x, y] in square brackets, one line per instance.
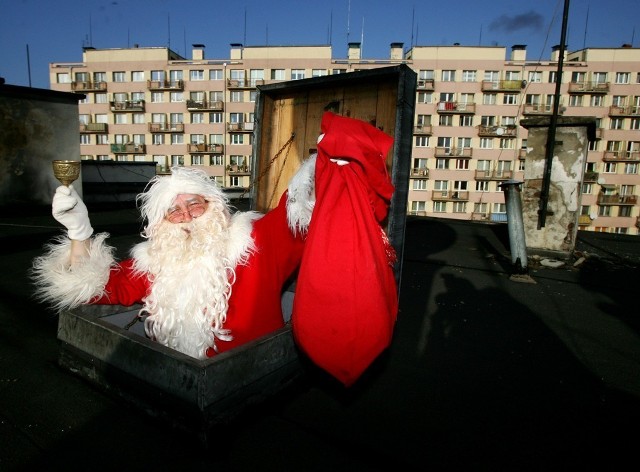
[301, 196]
[66, 286]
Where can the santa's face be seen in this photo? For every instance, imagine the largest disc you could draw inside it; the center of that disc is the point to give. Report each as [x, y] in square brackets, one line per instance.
[186, 207]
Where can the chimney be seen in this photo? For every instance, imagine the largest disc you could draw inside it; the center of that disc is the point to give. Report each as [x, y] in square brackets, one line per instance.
[236, 51]
[555, 53]
[519, 52]
[354, 51]
[197, 53]
[396, 51]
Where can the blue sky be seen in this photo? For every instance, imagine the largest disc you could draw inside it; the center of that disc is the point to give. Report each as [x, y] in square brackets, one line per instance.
[56, 31]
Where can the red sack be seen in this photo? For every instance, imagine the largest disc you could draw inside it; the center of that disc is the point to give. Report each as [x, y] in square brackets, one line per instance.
[346, 300]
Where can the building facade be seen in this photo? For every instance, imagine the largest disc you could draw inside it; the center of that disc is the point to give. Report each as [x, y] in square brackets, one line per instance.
[150, 104]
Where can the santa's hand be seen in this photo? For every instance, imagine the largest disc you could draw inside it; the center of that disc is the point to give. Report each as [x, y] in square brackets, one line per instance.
[69, 210]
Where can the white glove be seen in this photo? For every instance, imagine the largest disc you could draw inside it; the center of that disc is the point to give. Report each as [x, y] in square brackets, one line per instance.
[69, 210]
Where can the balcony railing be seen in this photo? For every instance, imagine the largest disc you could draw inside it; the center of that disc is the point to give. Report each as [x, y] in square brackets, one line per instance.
[499, 217]
[235, 169]
[588, 87]
[621, 156]
[216, 105]
[88, 86]
[539, 109]
[241, 126]
[129, 148]
[497, 131]
[426, 130]
[617, 199]
[165, 84]
[522, 153]
[87, 128]
[456, 107]
[204, 148]
[494, 174]
[244, 83]
[166, 127]
[584, 220]
[502, 85]
[419, 173]
[453, 152]
[127, 105]
[479, 216]
[633, 110]
[450, 195]
[425, 85]
[590, 176]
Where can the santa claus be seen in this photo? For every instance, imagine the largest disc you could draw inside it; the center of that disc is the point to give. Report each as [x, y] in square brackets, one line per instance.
[208, 279]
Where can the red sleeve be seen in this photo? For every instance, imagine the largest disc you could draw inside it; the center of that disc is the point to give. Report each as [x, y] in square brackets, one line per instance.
[124, 287]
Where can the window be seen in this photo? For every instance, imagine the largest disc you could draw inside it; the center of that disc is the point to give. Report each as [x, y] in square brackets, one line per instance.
[175, 118]
[256, 77]
[618, 100]
[177, 138]
[157, 97]
[215, 117]
[157, 75]
[442, 163]
[466, 98]
[196, 74]
[236, 117]
[553, 76]
[85, 139]
[216, 139]
[469, 75]
[196, 160]
[587, 189]
[419, 184]
[578, 77]
[482, 186]
[137, 96]
[277, 74]
[422, 141]
[510, 99]
[137, 76]
[448, 76]
[466, 120]
[338, 71]
[488, 120]
[507, 143]
[197, 118]
[418, 206]
[440, 207]
[216, 160]
[460, 185]
[236, 96]
[63, 78]
[297, 74]
[101, 98]
[616, 123]
[491, 75]
[499, 208]
[119, 77]
[445, 120]
[609, 167]
[177, 160]
[157, 139]
[236, 138]
[425, 97]
[464, 143]
[216, 74]
[441, 185]
[604, 210]
[422, 120]
[484, 164]
[176, 97]
[253, 94]
[599, 77]
[480, 208]
[138, 139]
[624, 211]
[120, 118]
[512, 75]
[596, 101]
[535, 77]
[631, 168]
[623, 77]
[462, 164]
[459, 207]
[489, 98]
[575, 100]
[102, 118]
[635, 123]
[627, 189]
[318, 72]
[426, 74]
[102, 139]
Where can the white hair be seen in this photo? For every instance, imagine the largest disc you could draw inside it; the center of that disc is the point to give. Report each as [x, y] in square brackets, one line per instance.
[163, 189]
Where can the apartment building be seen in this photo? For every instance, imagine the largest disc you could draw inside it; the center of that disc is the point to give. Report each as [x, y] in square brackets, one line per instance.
[150, 104]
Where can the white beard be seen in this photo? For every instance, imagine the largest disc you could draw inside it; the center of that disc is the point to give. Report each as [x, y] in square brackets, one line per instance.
[191, 278]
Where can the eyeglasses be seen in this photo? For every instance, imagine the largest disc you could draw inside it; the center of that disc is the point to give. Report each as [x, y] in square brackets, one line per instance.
[194, 209]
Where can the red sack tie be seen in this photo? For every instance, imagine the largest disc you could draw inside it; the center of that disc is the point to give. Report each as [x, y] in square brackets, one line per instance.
[346, 301]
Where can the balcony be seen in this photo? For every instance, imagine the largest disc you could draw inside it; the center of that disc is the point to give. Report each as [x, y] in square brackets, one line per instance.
[235, 169]
[244, 83]
[479, 216]
[522, 153]
[166, 127]
[241, 127]
[129, 148]
[424, 130]
[453, 152]
[165, 84]
[494, 174]
[203, 148]
[498, 217]
[127, 105]
[88, 128]
[538, 109]
[621, 156]
[590, 176]
[88, 86]
[216, 105]
[584, 220]
[589, 87]
[617, 199]
[497, 131]
[633, 110]
[456, 108]
[450, 195]
[502, 85]
[425, 85]
[419, 173]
